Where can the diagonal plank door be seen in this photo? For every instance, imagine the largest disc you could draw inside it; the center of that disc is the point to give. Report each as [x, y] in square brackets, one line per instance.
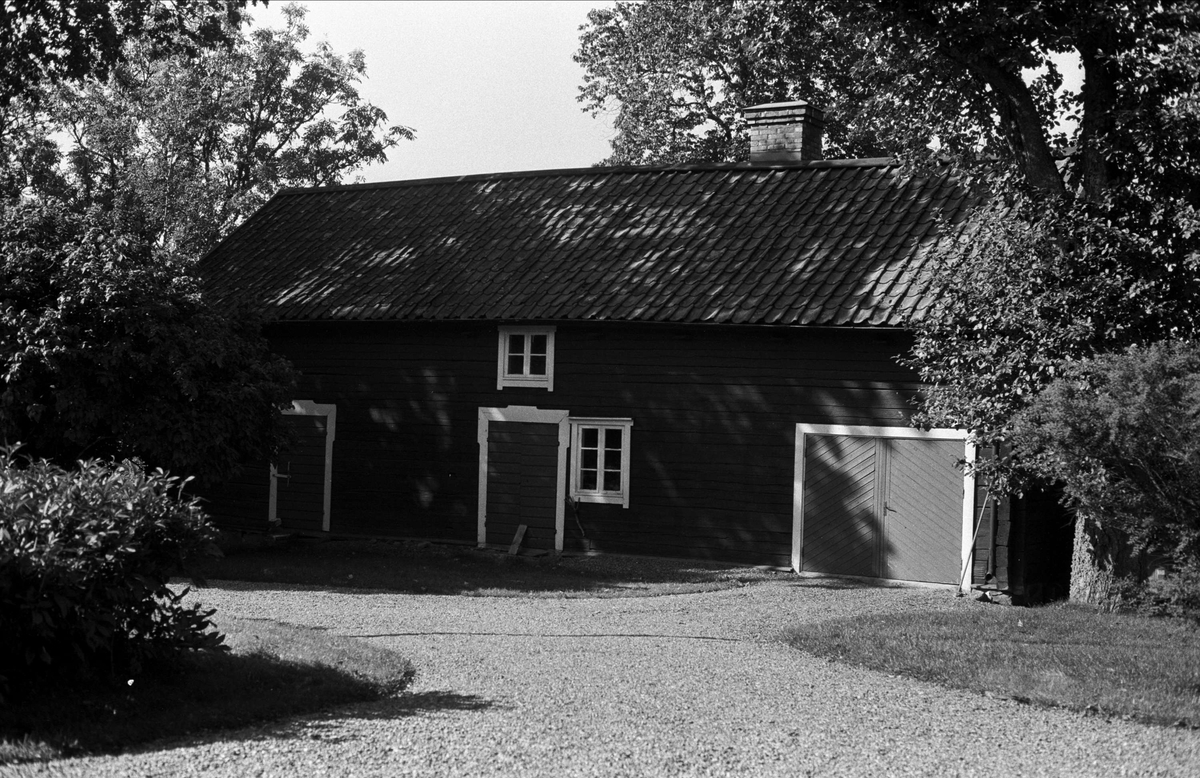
[841, 529]
[881, 506]
[923, 524]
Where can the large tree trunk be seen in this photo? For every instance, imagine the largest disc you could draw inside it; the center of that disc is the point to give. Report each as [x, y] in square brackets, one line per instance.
[1102, 565]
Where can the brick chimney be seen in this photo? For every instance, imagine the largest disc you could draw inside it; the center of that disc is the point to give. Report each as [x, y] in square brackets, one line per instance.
[785, 132]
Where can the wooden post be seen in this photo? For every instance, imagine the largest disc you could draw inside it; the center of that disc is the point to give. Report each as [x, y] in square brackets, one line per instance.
[517, 538]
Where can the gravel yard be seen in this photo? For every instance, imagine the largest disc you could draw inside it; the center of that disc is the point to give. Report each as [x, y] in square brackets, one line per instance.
[688, 684]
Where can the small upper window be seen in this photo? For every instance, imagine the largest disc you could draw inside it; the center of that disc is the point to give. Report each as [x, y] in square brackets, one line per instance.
[526, 357]
[600, 460]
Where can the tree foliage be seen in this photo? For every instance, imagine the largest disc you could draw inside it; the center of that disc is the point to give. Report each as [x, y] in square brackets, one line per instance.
[678, 72]
[85, 559]
[53, 42]
[107, 349]
[1121, 431]
[109, 192]
[1102, 257]
[195, 142]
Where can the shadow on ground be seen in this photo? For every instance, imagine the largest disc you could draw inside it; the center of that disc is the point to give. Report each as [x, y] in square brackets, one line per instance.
[435, 569]
[324, 725]
[204, 692]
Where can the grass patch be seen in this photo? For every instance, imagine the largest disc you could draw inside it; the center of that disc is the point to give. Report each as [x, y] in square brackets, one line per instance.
[1059, 655]
[426, 568]
[274, 671]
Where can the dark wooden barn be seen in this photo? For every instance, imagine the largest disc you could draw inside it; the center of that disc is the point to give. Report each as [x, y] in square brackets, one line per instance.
[691, 361]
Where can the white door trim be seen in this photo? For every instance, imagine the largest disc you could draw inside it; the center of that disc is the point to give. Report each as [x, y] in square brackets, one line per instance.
[535, 415]
[968, 505]
[310, 408]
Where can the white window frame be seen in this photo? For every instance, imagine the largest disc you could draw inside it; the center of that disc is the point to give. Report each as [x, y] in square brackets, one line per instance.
[599, 495]
[504, 378]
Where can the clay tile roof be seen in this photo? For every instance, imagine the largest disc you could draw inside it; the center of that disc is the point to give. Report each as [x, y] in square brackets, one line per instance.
[816, 243]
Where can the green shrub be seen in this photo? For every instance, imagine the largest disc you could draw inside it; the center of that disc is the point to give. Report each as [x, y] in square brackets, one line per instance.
[1176, 594]
[85, 557]
[110, 350]
[1122, 433]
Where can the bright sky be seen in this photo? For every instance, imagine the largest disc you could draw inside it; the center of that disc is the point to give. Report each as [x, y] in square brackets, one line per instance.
[488, 86]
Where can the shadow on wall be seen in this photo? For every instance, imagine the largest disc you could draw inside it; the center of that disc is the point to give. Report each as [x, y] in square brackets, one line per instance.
[843, 532]
[713, 438]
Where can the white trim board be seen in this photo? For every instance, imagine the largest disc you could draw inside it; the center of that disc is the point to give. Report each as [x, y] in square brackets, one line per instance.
[910, 433]
[310, 408]
[528, 414]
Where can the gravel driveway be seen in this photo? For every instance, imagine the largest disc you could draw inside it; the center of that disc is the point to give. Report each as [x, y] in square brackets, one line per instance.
[693, 684]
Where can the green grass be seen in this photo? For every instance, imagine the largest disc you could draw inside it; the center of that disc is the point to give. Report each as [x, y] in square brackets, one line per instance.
[424, 568]
[1065, 656]
[274, 671]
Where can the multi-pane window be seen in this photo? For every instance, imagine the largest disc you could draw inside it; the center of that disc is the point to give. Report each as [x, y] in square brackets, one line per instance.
[526, 357]
[600, 460]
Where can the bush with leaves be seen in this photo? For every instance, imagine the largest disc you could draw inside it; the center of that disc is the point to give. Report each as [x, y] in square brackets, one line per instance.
[1122, 433]
[108, 349]
[85, 557]
[1175, 595]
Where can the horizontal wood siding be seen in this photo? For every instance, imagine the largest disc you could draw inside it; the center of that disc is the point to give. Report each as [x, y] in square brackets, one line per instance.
[240, 503]
[714, 410]
[300, 491]
[522, 483]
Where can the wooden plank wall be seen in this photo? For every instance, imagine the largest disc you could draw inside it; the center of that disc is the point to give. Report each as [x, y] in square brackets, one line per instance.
[240, 503]
[522, 457]
[714, 410]
[300, 489]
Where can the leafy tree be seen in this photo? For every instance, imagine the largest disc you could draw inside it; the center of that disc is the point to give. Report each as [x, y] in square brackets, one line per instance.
[51, 42]
[199, 141]
[678, 72]
[1121, 431]
[107, 349]
[1068, 258]
[1098, 255]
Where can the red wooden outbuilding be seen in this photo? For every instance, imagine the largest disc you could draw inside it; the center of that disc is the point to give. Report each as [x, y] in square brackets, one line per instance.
[693, 361]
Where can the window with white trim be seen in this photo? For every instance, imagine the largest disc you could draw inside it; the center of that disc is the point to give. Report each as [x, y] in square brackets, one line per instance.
[526, 357]
[600, 460]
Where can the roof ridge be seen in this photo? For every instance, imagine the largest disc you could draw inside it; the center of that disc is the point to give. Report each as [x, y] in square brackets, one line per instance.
[698, 167]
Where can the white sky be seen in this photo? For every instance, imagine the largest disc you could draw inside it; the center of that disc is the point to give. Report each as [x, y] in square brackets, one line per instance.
[487, 86]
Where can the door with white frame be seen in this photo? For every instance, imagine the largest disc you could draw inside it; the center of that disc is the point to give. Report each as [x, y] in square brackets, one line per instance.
[882, 503]
[301, 478]
[522, 476]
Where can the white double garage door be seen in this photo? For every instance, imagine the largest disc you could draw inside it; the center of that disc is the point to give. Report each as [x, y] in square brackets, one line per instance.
[882, 503]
